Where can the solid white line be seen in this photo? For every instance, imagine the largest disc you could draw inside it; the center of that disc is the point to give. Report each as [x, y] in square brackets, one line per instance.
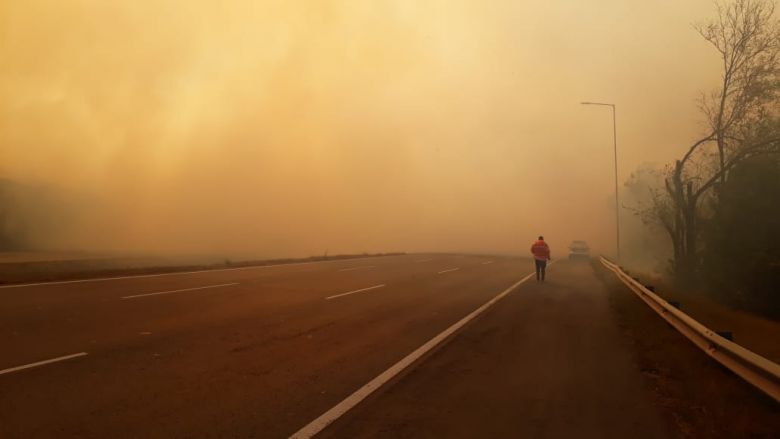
[177, 273]
[178, 291]
[354, 399]
[448, 270]
[356, 291]
[357, 268]
[487, 262]
[41, 363]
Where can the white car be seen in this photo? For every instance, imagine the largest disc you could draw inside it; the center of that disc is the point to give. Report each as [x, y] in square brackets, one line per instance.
[579, 250]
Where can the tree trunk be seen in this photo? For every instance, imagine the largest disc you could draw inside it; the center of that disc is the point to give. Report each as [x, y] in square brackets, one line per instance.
[689, 263]
[684, 230]
[722, 159]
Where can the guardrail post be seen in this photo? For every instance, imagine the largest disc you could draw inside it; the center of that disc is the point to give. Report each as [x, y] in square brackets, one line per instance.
[728, 335]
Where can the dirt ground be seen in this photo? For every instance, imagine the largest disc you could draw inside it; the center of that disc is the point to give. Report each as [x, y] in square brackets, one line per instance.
[700, 397]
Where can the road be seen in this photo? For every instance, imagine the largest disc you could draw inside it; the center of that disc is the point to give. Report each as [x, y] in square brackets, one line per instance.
[262, 351]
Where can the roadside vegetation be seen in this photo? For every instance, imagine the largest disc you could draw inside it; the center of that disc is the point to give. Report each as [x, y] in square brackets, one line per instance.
[717, 204]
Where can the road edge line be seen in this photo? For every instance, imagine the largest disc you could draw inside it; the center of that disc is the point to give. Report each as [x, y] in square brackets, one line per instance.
[327, 418]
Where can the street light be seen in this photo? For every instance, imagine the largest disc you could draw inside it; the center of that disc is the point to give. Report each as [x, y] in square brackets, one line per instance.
[614, 139]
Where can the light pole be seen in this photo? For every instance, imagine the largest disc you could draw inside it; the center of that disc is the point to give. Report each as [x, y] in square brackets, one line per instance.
[617, 207]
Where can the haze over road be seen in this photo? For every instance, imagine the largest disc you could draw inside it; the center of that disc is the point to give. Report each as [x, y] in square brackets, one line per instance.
[262, 351]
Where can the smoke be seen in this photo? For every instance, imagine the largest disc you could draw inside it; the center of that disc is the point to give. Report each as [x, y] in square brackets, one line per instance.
[646, 245]
[284, 128]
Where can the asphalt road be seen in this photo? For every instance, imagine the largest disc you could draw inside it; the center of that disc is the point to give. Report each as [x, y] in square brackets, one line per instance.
[262, 351]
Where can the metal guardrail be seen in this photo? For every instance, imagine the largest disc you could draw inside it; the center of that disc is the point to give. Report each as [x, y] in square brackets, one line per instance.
[753, 368]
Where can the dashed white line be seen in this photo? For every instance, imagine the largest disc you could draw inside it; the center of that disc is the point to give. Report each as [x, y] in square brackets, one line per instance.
[178, 291]
[448, 270]
[41, 363]
[356, 291]
[354, 399]
[487, 262]
[358, 268]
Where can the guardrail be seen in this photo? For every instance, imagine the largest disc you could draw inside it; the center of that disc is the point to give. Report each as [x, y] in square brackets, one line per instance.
[753, 368]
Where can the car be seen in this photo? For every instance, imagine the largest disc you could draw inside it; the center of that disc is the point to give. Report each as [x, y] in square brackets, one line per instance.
[579, 250]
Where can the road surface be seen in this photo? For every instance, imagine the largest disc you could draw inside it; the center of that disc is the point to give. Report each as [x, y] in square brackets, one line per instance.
[263, 351]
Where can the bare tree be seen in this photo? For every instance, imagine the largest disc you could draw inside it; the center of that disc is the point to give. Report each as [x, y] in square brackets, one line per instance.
[742, 119]
[747, 38]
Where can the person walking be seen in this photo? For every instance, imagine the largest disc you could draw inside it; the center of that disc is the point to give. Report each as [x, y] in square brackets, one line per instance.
[541, 252]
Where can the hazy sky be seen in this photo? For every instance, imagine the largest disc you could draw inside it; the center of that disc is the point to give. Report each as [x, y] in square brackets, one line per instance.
[280, 128]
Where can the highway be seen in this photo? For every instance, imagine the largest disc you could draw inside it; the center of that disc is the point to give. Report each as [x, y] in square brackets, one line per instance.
[265, 351]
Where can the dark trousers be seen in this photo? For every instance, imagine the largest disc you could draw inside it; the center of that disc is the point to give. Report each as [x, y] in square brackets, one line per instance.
[540, 267]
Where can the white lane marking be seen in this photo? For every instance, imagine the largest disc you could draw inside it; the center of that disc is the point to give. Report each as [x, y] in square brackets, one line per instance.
[359, 395]
[358, 268]
[424, 260]
[178, 273]
[178, 291]
[41, 363]
[487, 262]
[448, 270]
[356, 291]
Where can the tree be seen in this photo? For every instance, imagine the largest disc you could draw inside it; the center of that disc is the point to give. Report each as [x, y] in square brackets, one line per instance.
[747, 39]
[742, 119]
[741, 242]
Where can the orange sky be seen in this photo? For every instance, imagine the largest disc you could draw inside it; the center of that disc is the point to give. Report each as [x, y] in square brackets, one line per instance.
[285, 128]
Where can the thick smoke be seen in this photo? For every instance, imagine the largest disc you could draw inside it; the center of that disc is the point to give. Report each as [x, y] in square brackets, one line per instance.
[288, 128]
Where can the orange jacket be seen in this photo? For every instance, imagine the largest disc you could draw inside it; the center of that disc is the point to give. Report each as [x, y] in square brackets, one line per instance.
[541, 250]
